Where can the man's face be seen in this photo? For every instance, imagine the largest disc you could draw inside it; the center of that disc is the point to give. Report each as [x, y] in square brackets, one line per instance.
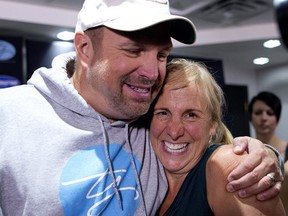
[125, 72]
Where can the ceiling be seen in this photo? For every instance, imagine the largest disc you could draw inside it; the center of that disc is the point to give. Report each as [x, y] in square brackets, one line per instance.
[232, 30]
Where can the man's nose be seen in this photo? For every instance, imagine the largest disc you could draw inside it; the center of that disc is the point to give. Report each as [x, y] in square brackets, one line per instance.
[150, 67]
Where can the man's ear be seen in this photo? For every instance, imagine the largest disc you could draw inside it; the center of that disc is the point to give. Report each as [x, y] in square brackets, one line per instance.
[82, 46]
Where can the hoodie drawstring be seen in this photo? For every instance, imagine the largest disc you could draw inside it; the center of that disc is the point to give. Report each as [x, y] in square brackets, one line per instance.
[135, 169]
[114, 184]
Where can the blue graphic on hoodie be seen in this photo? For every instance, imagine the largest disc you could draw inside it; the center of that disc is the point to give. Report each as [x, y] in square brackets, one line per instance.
[86, 184]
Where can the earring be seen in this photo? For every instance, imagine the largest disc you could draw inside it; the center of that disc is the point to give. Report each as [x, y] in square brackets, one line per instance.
[210, 139]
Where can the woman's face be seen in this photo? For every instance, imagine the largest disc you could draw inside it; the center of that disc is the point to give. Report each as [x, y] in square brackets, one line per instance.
[180, 128]
[263, 118]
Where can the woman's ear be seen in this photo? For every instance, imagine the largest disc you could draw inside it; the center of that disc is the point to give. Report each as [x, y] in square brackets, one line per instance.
[82, 46]
[213, 129]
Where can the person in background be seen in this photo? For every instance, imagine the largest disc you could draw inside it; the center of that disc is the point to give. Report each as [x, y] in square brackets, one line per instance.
[186, 122]
[264, 114]
[71, 140]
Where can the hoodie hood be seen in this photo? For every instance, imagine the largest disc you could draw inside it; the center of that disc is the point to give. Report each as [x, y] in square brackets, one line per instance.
[55, 84]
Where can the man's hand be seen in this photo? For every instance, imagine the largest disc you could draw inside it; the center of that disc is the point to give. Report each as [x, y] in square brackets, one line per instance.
[250, 177]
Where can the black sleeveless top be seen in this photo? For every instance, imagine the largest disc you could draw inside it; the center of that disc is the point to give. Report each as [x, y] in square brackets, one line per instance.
[192, 196]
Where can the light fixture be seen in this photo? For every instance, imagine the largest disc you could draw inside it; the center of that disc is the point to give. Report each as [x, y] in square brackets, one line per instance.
[261, 61]
[272, 43]
[65, 35]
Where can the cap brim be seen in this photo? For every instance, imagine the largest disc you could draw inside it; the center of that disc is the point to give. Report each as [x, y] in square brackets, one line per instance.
[182, 29]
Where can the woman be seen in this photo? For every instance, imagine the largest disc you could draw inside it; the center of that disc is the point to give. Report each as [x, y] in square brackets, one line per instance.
[264, 112]
[186, 120]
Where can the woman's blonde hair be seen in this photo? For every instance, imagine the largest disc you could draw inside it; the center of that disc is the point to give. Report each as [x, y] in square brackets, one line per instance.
[181, 72]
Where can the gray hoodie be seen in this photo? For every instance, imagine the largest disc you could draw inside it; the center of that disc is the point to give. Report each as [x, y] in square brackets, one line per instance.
[58, 156]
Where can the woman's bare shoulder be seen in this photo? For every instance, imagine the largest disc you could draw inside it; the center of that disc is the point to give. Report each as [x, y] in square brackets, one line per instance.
[224, 159]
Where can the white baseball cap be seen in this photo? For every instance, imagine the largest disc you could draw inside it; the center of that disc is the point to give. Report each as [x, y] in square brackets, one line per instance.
[133, 15]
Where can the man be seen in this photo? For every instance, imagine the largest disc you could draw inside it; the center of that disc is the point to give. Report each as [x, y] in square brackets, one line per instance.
[70, 141]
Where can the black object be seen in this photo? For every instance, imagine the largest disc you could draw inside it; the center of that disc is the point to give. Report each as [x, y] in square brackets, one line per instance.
[281, 10]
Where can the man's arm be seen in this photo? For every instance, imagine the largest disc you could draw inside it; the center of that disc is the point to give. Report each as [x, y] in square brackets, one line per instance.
[250, 177]
[224, 203]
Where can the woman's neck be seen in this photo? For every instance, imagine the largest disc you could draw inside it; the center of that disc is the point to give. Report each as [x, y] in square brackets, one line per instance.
[265, 138]
[271, 139]
[274, 141]
[174, 184]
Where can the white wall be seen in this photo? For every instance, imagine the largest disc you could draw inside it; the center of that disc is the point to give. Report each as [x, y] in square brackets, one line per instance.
[273, 79]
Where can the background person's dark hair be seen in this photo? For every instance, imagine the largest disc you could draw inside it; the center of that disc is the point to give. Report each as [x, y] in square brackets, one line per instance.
[270, 99]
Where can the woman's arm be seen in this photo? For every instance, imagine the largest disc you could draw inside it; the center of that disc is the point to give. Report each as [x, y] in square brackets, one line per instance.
[223, 203]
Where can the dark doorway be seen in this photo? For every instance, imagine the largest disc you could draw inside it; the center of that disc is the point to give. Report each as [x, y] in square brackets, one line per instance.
[236, 114]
